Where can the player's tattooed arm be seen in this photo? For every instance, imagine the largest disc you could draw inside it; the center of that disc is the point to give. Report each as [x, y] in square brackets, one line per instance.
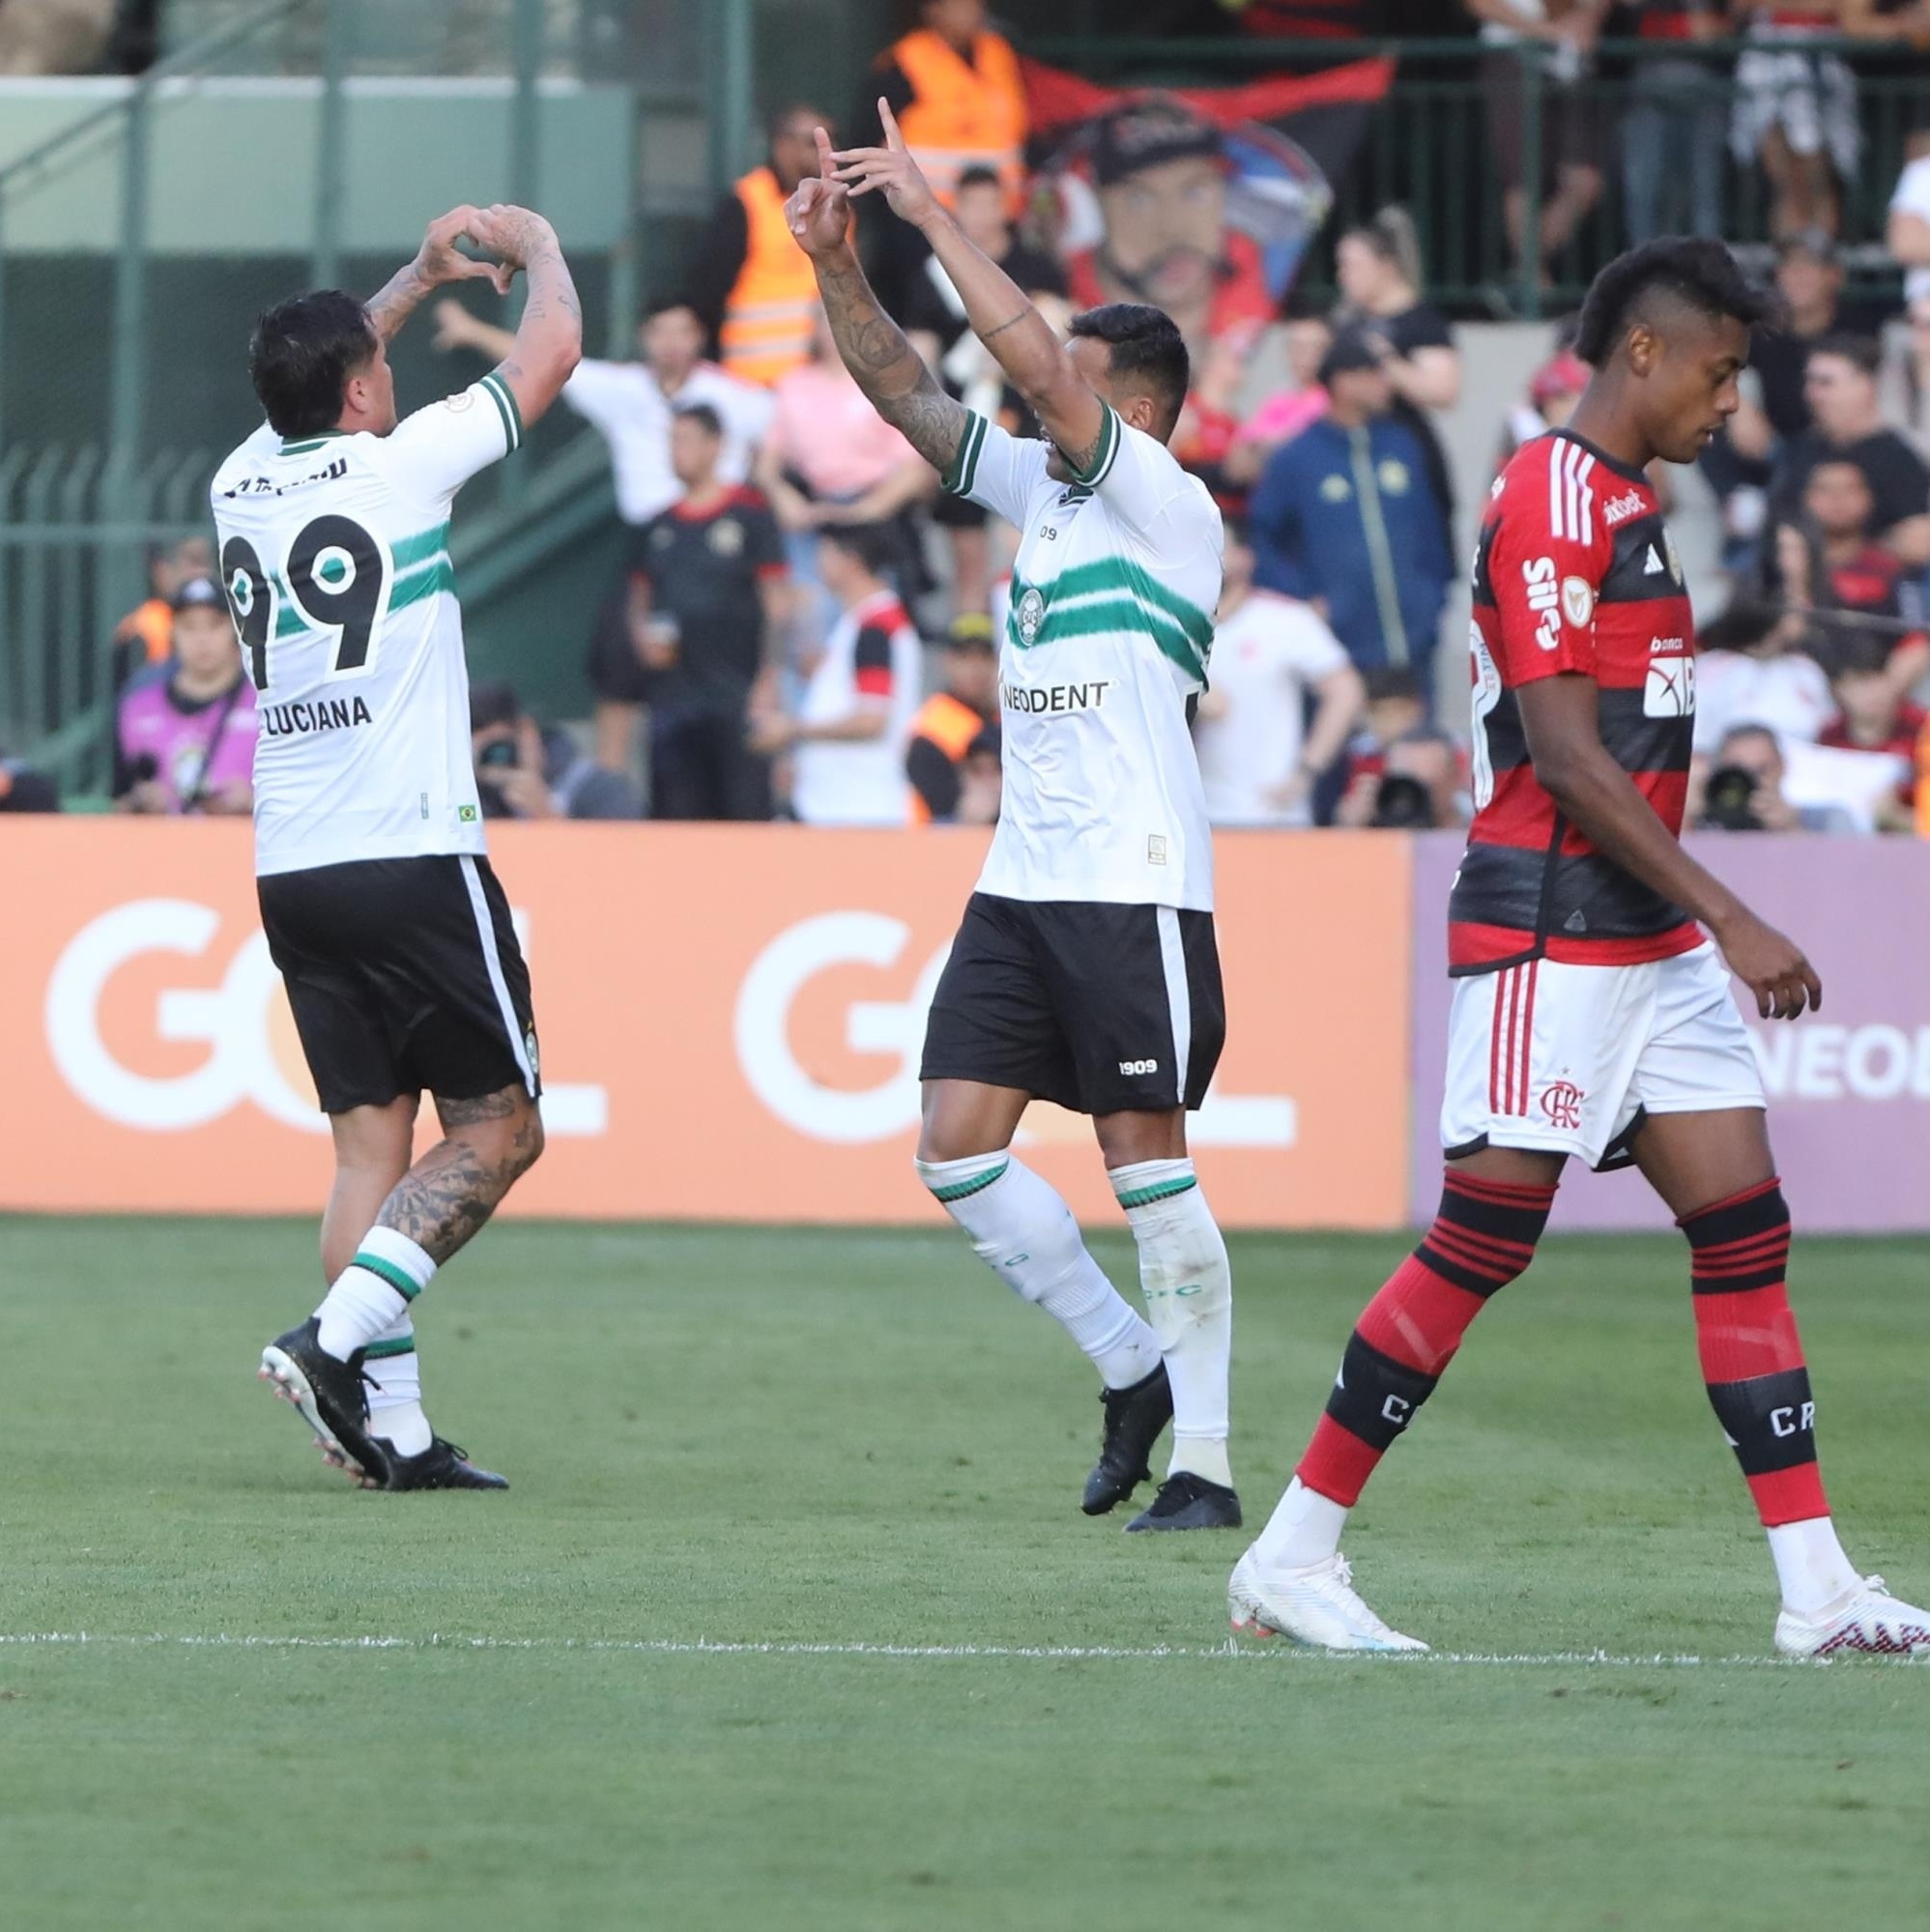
[548, 342]
[438, 262]
[885, 365]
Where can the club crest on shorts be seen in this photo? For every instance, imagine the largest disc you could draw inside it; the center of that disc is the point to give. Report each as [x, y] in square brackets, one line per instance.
[530, 1048]
[1029, 615]
[1561, 1102]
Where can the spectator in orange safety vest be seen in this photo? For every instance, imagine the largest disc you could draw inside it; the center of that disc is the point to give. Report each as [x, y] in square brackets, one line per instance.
[952, 724]
[750, 282]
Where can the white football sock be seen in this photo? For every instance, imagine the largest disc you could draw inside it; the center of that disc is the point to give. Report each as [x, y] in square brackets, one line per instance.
[1188, 1283]
[1023, 1232]
[1304, 1528]
[1810, 1564]
[373, 1292]
[395, 1387]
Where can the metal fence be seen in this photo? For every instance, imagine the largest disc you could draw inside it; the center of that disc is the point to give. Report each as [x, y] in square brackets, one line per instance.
[1430, 146]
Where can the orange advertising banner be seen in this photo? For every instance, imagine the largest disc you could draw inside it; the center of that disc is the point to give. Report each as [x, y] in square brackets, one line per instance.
[730, 1021]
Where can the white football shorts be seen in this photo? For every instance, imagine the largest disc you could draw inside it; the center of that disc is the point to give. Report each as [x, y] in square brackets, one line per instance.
[1567, 1059]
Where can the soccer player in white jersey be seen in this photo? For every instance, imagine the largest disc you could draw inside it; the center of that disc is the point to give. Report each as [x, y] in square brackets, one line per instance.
[390, 930]
[1086, 970]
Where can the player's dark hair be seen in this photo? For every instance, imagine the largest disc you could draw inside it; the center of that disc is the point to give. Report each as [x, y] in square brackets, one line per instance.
[1146, 348]
[874, 545]
[1689, 268]
[302, 355]
[1862, 352]
[703, 416]
[977, 176]
[663, 305]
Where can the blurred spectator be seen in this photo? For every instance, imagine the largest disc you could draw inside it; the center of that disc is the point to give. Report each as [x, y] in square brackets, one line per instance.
[523, 771]
[1841, 390]
[1827, 562]
[830, 458]
[1873, 715]
[1672, 135]
[1418, 787]
[956, 90]
[1569, 170]
[1553, 390]
[934, 315]
[1379, 269]
[43, 36]
[1751, 668]
[144, 637]
[708, 598]
[1284, 415]
[1271, 655]
[1796, 111]
[22, 788]
[1393, 708]
[1744, 792]
[1809, 279]
[750, 284]
[952, 721]
[1908, 232]
[184, 742]
[1309, 20]
[1161, 177]
[849, 740]
[1343, 519]
[631, 405]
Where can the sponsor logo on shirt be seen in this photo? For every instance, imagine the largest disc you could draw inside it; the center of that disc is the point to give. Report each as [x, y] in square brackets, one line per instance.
[1043, 698]
[326, 714]
[1623, 507]
[1578, 600]
[1545, 598]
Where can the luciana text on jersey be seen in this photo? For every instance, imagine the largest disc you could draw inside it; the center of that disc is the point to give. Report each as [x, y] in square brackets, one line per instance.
[1108, 635]
[335, 555]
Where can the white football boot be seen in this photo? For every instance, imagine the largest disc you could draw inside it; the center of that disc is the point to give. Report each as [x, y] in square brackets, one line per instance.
[1317, 1606]
[1869, 1618]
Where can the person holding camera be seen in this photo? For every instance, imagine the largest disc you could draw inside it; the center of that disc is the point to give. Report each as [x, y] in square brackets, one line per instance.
[184, 742]
[1743, 790]
[1418, 787]
[523, 771]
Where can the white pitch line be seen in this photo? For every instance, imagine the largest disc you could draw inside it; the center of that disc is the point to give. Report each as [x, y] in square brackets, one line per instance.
[1227, 1652]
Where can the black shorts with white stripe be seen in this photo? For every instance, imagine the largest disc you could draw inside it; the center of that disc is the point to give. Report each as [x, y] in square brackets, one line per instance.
[1104, 1009]
[404, 975]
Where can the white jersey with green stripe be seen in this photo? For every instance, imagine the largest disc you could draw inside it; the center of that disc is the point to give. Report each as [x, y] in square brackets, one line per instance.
[335, 555]
[1107, 637]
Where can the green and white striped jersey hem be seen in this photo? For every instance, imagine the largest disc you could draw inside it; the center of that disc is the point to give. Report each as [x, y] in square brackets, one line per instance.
[1104, 454]
[963, 469]
[1114, 594]
[503, 398]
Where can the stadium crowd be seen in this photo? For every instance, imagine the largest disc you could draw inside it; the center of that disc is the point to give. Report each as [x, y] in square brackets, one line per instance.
[806, 622]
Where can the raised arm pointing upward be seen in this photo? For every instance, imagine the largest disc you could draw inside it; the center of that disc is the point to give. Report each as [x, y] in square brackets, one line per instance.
[1066, 385]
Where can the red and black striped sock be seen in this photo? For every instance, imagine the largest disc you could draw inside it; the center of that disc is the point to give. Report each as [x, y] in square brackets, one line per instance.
[1751, 1355]
[1483, 1237]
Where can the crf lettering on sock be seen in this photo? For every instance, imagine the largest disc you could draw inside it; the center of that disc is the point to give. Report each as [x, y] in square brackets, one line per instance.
[1484, 1236]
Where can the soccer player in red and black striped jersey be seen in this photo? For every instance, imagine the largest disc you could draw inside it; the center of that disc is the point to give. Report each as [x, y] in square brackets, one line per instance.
[1592, 1014]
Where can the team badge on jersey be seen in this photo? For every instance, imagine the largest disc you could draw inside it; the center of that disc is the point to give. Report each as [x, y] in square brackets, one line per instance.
[1393, 476]
[726, 536]
[1030, 613]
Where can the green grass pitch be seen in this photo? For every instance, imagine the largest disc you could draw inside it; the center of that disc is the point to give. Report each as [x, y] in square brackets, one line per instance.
[848, 1439]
